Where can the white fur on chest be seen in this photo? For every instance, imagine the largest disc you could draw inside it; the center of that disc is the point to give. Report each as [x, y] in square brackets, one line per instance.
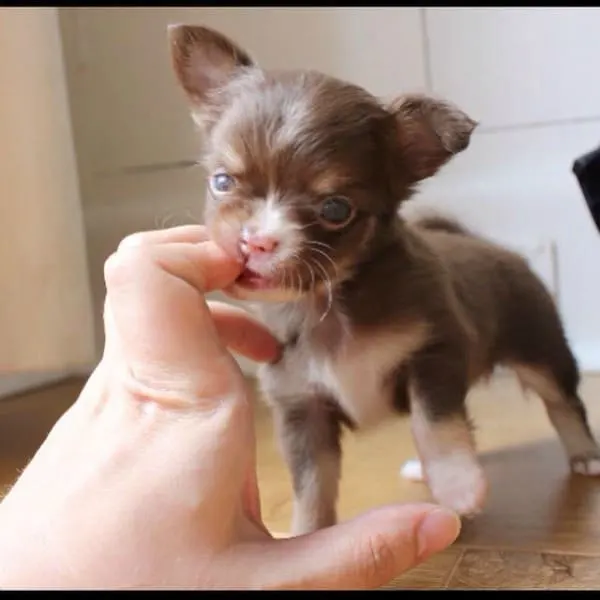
[358, 376]
[355, 372]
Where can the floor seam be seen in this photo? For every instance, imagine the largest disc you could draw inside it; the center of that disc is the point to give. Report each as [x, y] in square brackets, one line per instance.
[486, 548]
[453, 569]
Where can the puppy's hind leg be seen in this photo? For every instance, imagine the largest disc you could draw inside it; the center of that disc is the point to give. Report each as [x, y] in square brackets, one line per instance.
[539, 353]
[557, 387]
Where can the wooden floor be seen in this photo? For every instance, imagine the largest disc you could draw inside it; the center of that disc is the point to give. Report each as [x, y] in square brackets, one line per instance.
[541, 526]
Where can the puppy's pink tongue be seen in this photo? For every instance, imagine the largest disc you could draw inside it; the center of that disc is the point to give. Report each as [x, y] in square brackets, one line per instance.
[247, 275]
[249, 278]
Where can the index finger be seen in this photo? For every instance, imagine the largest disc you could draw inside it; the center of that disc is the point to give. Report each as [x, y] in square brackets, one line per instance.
[155, 294]
[192, 234]
[243, 334]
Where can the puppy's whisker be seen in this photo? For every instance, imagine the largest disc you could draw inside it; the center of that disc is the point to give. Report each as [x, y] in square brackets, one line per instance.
[294, 272]
[298, 259]
[329, 287]
[174, 219]
[322, 269]
[311, 272]
[320, 245]
[307, 225]
[313, 278]
[193, 219]
[317, 243]
[160, 222]
[297, 273]
[324, 254]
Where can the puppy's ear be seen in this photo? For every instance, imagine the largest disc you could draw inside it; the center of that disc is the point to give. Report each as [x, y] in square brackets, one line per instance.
[430, 132]
[204, 60]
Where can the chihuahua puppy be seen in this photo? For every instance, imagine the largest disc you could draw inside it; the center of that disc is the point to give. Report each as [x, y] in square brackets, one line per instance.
[376, 315]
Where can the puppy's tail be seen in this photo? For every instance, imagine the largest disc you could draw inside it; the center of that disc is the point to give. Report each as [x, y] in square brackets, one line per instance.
[440, 223]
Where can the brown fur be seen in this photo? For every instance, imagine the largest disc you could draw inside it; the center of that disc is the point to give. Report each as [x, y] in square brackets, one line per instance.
[380, 314]
[439, 223]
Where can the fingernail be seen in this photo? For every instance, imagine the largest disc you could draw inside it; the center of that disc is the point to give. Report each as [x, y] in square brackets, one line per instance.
[437, 531]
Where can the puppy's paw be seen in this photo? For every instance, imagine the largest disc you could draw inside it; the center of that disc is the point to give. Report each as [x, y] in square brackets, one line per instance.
[586, 464]
[459, 483]
[412, 470]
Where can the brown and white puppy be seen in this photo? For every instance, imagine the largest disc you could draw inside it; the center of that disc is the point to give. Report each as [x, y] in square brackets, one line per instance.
[306, 175]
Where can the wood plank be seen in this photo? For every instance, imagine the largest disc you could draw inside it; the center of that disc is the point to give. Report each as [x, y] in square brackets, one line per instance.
[506, 570]
[432, 574]
[540, 528]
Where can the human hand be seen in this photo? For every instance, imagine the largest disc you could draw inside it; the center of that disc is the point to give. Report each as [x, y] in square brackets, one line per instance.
[149, 479]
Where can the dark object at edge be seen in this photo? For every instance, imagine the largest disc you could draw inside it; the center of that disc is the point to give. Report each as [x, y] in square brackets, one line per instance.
[587, 171]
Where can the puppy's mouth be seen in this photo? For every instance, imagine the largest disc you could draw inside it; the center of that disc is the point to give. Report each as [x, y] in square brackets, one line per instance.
[255, 281]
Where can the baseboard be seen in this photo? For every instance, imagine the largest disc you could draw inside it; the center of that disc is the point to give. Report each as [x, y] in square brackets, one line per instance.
[24, 382]
[12, 384]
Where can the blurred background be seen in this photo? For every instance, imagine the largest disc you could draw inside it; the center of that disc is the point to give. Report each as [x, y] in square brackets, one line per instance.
[96, 143]
[96, 138]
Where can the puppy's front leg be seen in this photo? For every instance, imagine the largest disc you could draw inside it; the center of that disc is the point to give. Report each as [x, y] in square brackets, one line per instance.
[309, 433]
[442, 432]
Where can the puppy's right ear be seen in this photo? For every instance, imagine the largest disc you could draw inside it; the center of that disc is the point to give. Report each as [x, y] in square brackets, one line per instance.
[204, 60]
[429, 131]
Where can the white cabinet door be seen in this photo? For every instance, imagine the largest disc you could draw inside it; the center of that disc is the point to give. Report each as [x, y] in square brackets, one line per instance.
[126, 105]
[512, 66]
[45, 312]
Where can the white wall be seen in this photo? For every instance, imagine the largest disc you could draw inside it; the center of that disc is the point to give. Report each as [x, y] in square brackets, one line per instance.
[528, 75]
[45, 316]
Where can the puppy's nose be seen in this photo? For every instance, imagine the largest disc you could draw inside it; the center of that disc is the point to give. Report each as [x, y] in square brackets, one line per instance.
[257, 243]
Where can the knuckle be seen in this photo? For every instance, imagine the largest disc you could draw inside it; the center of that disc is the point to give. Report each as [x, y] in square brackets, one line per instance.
[123, 264]
[134, 239]
[380, 563]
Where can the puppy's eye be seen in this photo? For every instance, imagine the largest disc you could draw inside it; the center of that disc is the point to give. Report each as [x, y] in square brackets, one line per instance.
[336, 210]
[221, 183]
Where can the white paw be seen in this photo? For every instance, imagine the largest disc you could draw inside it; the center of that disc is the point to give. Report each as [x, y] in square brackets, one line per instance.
[412, 470]
[458, 482]
[586, 465]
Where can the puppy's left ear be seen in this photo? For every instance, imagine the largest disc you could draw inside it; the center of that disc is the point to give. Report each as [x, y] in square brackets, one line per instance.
[429, 132]
[204, 60]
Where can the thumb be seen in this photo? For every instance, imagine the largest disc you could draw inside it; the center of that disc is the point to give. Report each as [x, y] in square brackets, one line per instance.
[364, 553]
